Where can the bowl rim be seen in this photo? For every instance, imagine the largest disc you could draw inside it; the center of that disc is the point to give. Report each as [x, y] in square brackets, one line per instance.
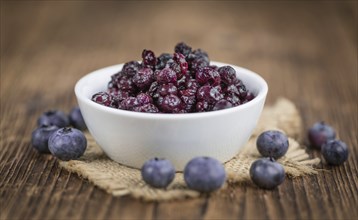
[172, 116]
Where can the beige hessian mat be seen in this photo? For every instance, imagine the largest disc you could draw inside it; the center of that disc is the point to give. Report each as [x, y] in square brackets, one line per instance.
[120, 180]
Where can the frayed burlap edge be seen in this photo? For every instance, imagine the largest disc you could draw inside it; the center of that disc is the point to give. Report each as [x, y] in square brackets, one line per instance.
[120, 180]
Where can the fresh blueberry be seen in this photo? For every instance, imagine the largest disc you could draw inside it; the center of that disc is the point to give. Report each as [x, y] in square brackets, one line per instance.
[320, 133]
[76, 119]
[272, 144]
[266, 173]
[54, 117]
[40, 136]
[67, 143]
[204, 174]
[158, 173]
[335, 152]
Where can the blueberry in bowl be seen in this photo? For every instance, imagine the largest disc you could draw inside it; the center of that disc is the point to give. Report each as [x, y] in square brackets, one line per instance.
[177, 107]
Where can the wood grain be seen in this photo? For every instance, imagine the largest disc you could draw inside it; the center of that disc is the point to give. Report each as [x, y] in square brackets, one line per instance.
[307, 52]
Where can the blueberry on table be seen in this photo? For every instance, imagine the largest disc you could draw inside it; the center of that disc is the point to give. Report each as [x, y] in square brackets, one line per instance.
[40, 136]
[67, 143]
[272, 144]
[335, 152]
[76, 119]
[158, 173]
[204, 174]
[266, 173]
[320, 133]
[54, 117]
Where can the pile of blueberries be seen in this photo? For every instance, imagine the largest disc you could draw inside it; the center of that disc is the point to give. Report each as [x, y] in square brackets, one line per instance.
[54, 134]
[183, 82]
[203, 174]
[323, 137]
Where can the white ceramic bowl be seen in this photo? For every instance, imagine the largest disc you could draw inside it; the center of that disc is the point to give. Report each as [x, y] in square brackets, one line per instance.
[131, 138]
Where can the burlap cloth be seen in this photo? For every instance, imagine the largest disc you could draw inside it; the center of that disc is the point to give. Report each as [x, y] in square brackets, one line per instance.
[120, 180]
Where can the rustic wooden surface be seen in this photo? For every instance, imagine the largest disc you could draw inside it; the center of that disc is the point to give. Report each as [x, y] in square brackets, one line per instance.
[307, 51]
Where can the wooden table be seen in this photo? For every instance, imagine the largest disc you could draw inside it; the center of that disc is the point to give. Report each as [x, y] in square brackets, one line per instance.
[307, 52]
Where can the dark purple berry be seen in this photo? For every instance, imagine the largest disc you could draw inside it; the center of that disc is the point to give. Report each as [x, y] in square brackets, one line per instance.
[167, 89]
[144, 98]
[166, 76]
[143, 78]
[53, 117]
[76, 119]
[235, 100]
[130, 69]
[40, 136]
[125, 83]
[153, 90]
[102, 98]
[209, 94]
[180, 60]
[320, 133]
[149, 58]
[272, 144]
[267, 174]
[129, 103]
[118, 96]
[204, 174]
[208, 75]
[163, 60]
[222, 104]
[148, 108]
[183, 49]
[335, 152]
[171, 104]
[227, 74]
[67, 144]
[242, 91]
[158, 173]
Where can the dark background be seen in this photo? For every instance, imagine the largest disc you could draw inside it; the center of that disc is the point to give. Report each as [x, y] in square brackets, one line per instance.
[306, 50]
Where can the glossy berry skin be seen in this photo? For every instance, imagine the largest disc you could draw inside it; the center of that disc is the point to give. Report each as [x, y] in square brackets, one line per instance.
[40, 136]
[148, 108]
[227, 74]
[204, 174]
[272, 144]
[76, 119]
[335, 152]
[54, 117]
[266, 173]
[158, 173]
[320, 133]
[67, 144]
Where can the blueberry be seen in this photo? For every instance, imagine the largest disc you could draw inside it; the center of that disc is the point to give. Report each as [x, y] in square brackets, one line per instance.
[76, 119]
[266, 173]
[228, 74]
[102, 98]
[272, 144]
[320, 133]
[54, 117]
[143, 78]
[171, 104]
[204, 174]
[40, 136]
[67, 143]
[335, 152]
[182, 48]
[222, 104]
[158, 173]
